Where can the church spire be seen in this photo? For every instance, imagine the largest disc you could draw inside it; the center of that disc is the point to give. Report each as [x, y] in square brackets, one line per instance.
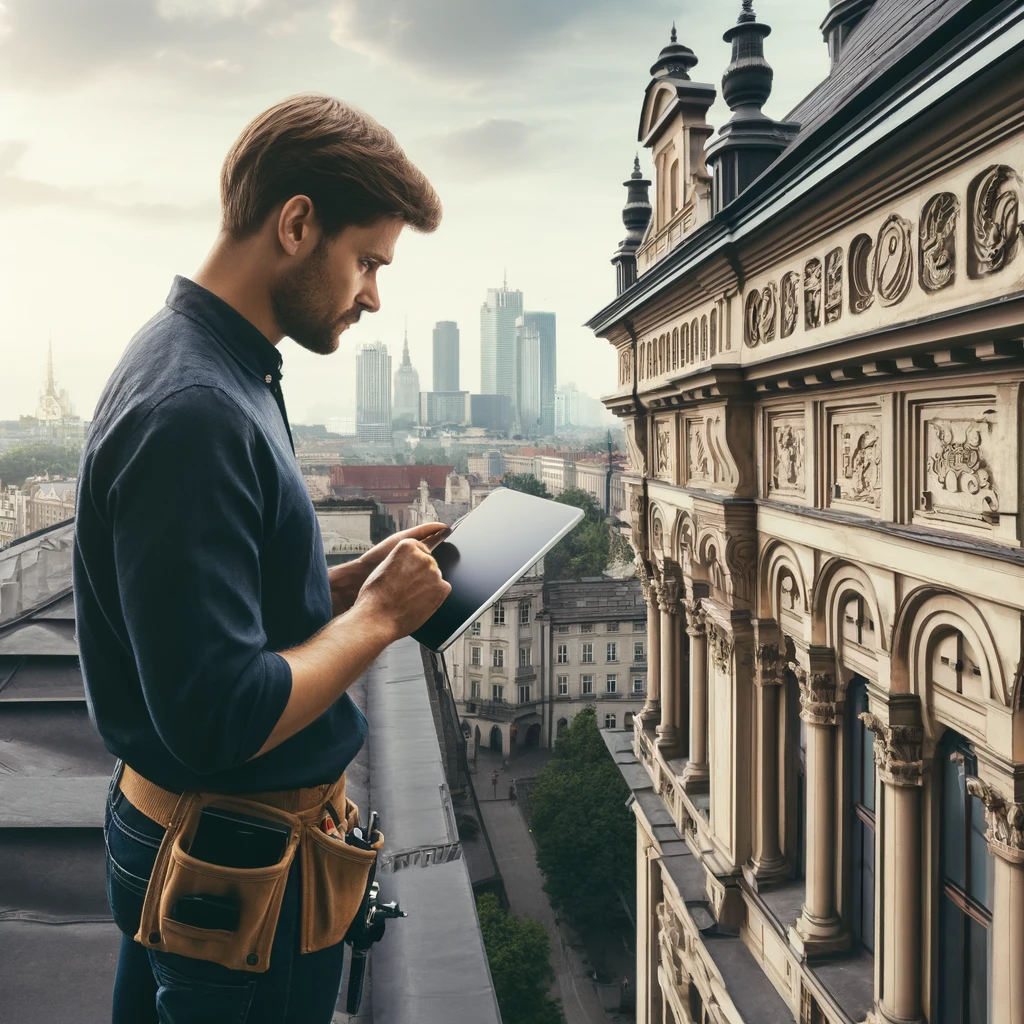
[50, 383]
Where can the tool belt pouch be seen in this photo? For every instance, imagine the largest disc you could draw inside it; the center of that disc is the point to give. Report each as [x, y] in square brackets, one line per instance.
[258, 891]
[334, 880]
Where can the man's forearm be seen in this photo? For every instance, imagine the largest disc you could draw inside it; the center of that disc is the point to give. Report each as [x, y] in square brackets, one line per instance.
[326, 665]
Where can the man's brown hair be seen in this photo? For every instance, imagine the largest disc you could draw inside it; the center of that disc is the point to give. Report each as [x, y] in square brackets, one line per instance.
[350, 166]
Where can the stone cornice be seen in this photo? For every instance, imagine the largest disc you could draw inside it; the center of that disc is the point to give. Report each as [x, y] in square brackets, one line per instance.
[1005, 820]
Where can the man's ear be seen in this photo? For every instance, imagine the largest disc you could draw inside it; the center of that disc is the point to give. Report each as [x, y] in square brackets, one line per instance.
[296, 225]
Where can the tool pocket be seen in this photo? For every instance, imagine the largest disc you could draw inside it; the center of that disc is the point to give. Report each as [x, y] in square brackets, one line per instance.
[334, 879]
[258, 893]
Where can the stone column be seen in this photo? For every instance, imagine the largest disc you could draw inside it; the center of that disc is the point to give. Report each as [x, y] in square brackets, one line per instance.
[650, 716]
[767, 863]
[695, 775]
[819, 929]
[668, 604]
[1006, 842]
[900, 765]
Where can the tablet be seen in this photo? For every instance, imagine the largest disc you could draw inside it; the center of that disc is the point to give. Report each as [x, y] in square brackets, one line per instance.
[486, 552]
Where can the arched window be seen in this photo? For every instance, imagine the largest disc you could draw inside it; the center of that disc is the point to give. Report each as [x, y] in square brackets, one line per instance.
[704, 337]
[685, 342]
[714, 331]
[675, 348]
[862, 814]
[563, 724]
[695, 338]
[795, 793]
[965, 890]
[673, 184]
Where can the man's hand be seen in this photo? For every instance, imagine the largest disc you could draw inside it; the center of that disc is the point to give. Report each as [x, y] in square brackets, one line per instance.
[405, 589]
[348, 578]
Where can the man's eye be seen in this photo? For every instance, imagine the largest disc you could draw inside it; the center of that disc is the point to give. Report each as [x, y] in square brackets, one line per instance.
[369, 264]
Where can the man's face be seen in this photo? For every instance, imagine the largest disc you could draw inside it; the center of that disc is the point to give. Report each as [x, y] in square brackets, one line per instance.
[327, 291]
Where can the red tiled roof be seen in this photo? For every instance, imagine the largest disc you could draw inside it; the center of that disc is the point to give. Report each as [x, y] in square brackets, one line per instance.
[375, 479]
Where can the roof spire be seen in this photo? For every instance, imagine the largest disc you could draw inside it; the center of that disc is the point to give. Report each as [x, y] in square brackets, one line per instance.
[636, 167]
[672, 38]
[747, 14]
[50, 385]
[505, 284]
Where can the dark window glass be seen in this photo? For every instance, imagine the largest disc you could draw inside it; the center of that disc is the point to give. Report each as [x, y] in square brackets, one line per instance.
[862, 806]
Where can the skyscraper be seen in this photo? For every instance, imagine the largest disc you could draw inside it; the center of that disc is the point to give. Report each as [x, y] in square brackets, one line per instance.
[407, 386]
[446, 356]
[528, 375]
[498, 341]
[373, 394]
[545, 326]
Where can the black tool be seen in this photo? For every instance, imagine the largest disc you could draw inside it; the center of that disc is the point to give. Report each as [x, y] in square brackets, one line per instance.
[237, 840]
[367, 928]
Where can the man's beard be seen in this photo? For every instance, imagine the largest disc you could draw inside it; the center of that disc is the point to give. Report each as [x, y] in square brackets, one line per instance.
[301, 301]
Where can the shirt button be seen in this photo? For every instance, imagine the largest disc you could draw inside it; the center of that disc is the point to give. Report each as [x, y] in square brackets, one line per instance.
[268, 378]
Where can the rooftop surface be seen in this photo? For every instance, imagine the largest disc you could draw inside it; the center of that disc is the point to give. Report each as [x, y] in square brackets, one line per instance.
[58, 942]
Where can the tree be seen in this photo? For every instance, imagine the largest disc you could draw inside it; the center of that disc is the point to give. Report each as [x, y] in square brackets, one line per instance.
[584, 551]
[519, 954]
[580, 818]
[527, 483]
[37, 459]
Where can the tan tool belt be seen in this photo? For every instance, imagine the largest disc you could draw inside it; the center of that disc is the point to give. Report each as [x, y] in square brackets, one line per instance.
[334, 874]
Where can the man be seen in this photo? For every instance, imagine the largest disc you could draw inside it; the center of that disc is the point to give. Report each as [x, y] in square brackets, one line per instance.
[216, 646]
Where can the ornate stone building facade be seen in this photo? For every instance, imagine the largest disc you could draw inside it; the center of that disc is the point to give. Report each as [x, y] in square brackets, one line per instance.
[820, 372]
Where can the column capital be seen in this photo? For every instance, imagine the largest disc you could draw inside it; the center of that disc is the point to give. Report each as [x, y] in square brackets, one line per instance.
[669, 587]
[899, 751]
[769, 664]
[645, 574]
[817, 697]
[1005, 820]
[720, 645]
[695, 617]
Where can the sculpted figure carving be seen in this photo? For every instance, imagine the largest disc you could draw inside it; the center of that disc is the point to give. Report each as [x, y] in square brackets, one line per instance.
[788, 465]
[994, 229]
[1005, 821]
[860, 462]
[937, 235]
[833, 286]
[768, 314]
[959, 464]
[812, 294]
[699, 463]
[862, 274]
[790, 305]
[752, 319]
[894, 260]
[898, 751]
[664, 450]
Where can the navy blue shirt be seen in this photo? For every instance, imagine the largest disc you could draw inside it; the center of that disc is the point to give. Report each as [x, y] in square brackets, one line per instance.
[198, 556]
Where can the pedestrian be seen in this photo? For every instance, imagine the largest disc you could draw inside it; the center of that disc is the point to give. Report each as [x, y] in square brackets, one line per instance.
[217, 648]
[512, 793]
[494, 784]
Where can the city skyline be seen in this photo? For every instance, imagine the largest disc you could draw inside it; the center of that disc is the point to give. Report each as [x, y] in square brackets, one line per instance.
[150, 97]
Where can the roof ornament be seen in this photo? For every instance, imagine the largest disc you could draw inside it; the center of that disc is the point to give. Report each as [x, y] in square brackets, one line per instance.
[747, 14]
[672, 38]
[637, 173]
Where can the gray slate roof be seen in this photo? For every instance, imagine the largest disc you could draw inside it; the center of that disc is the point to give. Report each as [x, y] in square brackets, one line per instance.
[594, 599]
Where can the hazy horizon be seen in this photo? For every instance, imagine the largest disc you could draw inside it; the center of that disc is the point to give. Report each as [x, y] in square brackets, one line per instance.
[524, 119]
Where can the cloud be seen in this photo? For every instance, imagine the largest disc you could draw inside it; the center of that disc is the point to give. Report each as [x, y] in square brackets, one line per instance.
[495, 147]
[17, 192]
[459, 40]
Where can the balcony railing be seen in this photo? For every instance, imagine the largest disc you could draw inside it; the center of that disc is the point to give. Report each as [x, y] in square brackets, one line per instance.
[526, 672]
[495, 710]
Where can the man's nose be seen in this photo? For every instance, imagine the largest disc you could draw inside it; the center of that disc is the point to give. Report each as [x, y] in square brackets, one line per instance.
[368, 297]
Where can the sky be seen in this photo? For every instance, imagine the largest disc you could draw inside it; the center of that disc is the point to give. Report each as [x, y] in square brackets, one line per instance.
[115, 116]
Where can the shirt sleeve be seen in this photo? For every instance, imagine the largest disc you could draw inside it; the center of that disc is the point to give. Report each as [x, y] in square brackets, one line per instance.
[186, 512]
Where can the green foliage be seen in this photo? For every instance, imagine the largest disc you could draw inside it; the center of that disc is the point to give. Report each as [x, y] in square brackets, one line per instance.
[585, 550]
[36, 459]
[527, 483]
[519, 953]
[585, 834]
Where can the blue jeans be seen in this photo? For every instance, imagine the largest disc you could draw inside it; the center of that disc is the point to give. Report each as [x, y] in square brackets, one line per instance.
[153, 986]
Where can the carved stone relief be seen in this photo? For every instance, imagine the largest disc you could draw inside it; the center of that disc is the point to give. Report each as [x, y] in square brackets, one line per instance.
[812, 294]
[638, 520]
[790, 303]
[636, 443]
[663, 436]
[894, 260]
[697, 448]
[625, 367]
[657, 537]
[898, 751]
[993, 232]
[833, 285]
[761, 316]
[817, 697]
[862, 274]
[720, 645]
[1005, 820]
[786, 456]
[857, 458]
[937, 237]
[959, 474]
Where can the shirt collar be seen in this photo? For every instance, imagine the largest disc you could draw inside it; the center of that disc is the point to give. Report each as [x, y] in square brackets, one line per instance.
[242, 339]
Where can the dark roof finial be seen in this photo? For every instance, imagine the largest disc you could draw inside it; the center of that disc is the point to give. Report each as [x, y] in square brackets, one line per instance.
[637, 173]
[747, 14]
[672, 38]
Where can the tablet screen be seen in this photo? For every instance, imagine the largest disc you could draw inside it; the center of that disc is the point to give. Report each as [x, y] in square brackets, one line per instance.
[486, 552]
